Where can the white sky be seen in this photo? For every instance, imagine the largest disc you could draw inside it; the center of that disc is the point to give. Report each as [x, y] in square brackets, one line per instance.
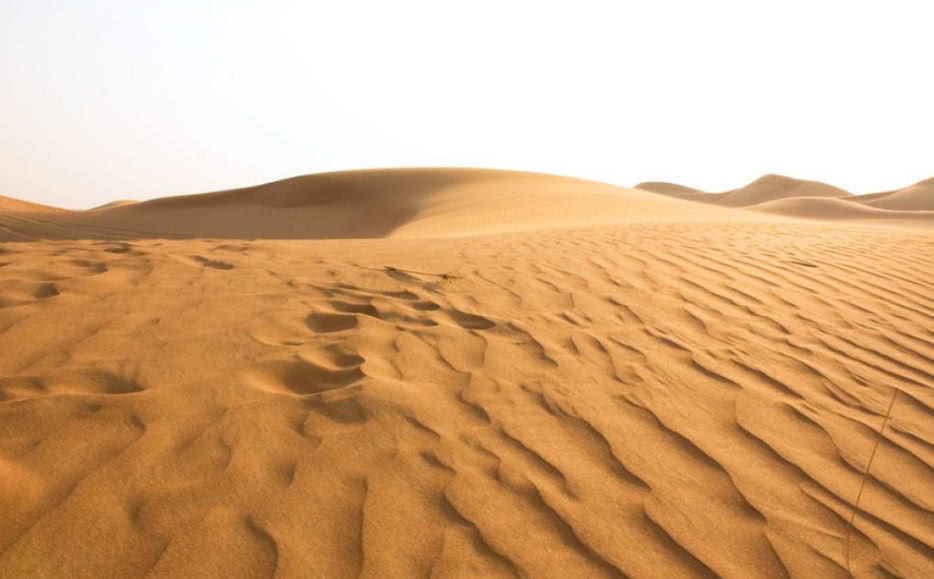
[104, 100]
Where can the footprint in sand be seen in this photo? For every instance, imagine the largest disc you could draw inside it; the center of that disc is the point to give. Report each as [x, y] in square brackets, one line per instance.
[66, 382]
[470, 321]
[46, 290]
[305, 377]
[212, 262]
[323, 323]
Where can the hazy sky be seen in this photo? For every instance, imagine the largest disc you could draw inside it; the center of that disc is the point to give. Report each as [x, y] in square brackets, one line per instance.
[105, 100]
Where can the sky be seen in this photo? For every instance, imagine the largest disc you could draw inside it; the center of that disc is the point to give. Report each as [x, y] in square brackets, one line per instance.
[104, 100]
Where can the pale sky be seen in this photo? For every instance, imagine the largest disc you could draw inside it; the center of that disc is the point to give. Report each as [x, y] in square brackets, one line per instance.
[105, 100]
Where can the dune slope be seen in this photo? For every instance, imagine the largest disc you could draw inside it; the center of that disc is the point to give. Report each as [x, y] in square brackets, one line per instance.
[918, 197]
[9, 204]
[836, 209]
[910, 206]
[773, 187]
[365, 204]
[764, 189]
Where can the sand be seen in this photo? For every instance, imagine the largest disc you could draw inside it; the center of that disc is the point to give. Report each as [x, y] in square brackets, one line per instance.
[9, 204]
[911, 206]
[455, 373]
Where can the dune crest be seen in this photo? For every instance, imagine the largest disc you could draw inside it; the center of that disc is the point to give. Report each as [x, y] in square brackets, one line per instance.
[774, 187]
[910, 206]
[918, 197]
[368, 204]
[11, 204]
[834, 209]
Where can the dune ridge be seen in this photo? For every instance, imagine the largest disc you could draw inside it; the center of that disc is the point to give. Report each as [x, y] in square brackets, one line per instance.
[366, 204]
[833, 208]
[815, 200]
[919, 196]
[11, 204]
[444, 202]
[649, 388]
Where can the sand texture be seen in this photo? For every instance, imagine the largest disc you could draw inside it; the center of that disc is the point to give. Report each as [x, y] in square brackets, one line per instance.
[450, 373]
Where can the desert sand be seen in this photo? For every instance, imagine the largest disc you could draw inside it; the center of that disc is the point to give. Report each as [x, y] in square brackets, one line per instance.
[467, 373]
[911, 206]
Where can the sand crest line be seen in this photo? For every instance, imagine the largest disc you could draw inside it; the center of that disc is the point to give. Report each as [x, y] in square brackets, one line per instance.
[862, 484]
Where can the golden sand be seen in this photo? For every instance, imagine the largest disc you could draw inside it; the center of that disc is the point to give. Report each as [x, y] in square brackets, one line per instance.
[453, 373]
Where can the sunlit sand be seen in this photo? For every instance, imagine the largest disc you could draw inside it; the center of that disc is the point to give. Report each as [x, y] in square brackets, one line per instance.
[470, 373]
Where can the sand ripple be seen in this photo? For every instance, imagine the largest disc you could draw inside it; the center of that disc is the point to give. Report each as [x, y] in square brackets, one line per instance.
[637, 401]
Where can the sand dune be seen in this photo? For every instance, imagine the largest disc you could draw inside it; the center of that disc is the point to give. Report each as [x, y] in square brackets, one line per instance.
[763, 189]
[366, 204]
[655, 388]
[671, 189]
[11, 204]
[773, 187]
[117, 203]
[918, 197]
[815, 200]
[834, 209]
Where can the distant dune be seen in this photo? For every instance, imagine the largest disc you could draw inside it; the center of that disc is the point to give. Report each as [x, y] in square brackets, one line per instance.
[766, 188]
[836, 209]
[443, 203]
[918, 197]
[772, 187]
[814, 200]
[369, 204]
[118, 203]
[670, 189]
[11, 204]
[454, 373]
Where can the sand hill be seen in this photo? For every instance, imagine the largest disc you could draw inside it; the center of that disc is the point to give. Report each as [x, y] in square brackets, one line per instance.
[9, 204]
[911, 206]
[367, 204]
[456, 373]
[762, 190]
[918, 197]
